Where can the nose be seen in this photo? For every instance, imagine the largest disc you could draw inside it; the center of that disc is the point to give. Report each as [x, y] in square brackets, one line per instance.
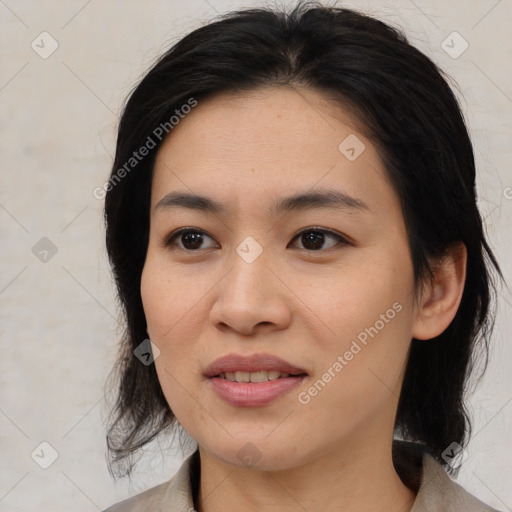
[251, 298]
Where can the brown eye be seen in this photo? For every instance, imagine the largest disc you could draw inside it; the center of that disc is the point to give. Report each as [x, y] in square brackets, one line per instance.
[187, 239]
[313, 239]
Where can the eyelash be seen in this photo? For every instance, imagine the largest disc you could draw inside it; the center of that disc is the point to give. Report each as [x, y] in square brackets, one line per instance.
[169, 241]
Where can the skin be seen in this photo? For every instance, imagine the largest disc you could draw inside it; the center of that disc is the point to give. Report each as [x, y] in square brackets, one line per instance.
[304, 306]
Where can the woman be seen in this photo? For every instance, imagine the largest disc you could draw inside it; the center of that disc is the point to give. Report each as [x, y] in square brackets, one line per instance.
[291, 220]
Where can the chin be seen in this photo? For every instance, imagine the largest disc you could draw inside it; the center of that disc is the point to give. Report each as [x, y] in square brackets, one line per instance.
[262, 455]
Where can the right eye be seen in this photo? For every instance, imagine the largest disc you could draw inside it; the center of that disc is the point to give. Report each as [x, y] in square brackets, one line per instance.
[190, 239]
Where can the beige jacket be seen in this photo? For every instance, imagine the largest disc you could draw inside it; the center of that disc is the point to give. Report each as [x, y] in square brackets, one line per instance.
[435, 490]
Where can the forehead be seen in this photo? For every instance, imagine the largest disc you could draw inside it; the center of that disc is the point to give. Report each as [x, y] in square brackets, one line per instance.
[271, 141]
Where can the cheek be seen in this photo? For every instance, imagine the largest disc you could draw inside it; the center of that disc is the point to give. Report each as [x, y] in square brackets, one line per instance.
[368, 309]
[165, 308]
[154, 296]
[165, 297]
[172, 304]
[354, 297]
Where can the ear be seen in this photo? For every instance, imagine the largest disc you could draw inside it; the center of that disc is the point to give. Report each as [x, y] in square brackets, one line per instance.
[441, 297]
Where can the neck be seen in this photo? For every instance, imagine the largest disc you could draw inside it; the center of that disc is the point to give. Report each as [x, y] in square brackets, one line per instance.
[358, 478]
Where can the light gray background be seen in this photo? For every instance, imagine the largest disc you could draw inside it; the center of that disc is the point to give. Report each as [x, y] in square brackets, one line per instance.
[59, 318]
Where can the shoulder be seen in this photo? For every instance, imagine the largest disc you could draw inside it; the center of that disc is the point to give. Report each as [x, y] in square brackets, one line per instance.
[434, 488]
[439, 492]
[173, 495]
[149, 500]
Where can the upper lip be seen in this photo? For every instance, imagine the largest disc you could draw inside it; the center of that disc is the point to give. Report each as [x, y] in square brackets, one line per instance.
[253, 363]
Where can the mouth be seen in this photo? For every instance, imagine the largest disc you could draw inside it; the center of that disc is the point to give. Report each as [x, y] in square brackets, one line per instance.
[253, 368]
[259, 376]
[250, 381]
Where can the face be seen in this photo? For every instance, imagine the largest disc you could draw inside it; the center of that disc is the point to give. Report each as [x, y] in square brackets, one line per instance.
[319, 287]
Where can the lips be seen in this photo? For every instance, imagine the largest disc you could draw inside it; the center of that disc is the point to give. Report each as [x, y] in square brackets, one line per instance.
[228, 377]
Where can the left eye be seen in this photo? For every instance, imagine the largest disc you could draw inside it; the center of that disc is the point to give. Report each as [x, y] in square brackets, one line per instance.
[312, 239]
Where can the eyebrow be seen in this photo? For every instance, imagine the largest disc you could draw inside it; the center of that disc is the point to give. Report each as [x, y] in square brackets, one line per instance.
[310, 200]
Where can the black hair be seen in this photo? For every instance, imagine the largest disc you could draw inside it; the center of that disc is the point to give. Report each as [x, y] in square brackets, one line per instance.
[409, 112]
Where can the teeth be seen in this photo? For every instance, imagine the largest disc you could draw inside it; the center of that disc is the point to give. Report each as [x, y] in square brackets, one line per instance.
[262, 376]
[258, 376]
[242, 376]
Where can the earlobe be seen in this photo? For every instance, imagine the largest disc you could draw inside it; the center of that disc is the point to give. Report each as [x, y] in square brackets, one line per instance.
[441, 298]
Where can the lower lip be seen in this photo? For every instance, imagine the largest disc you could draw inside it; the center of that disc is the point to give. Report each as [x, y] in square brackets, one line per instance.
[253, 394]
